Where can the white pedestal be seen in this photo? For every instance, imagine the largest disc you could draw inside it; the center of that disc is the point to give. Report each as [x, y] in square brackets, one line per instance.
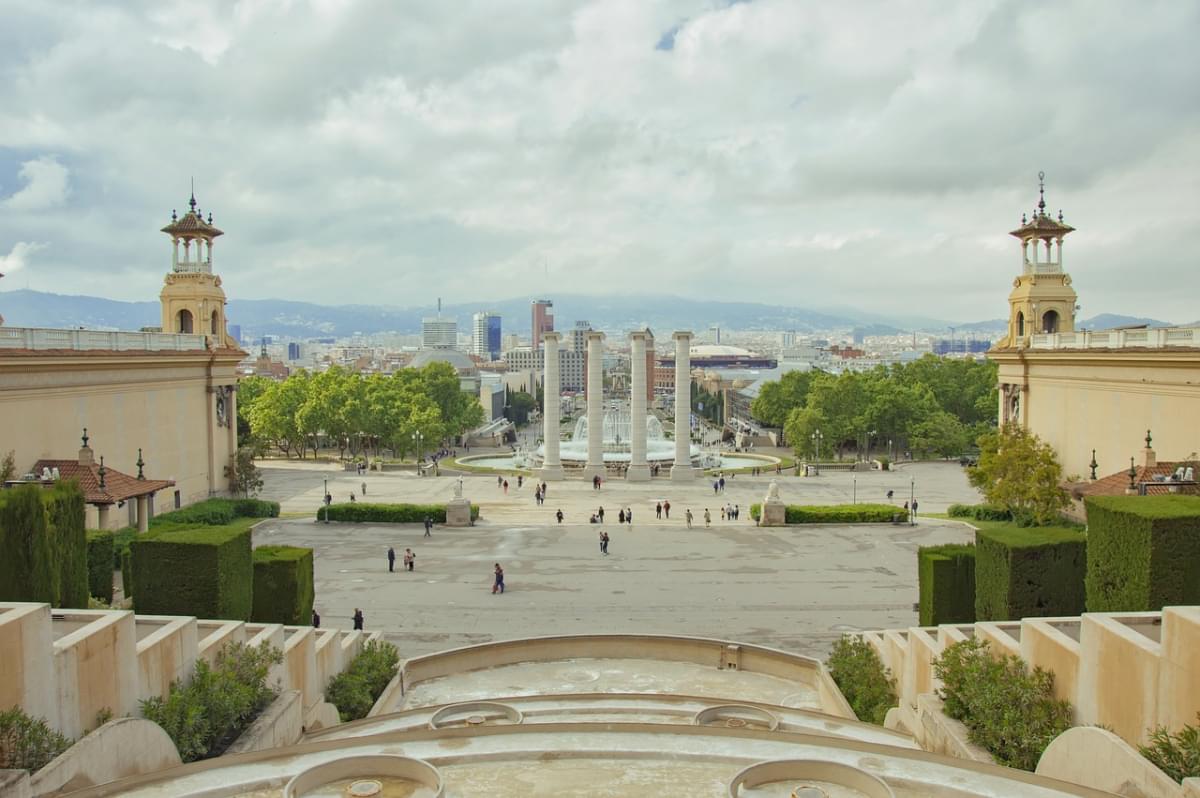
[774, 513]
[637, 473]
[683, 474]
[551, 473]
[458, 512]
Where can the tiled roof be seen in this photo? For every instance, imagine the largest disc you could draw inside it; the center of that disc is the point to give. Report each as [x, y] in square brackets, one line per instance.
[192, 224]
[1117, 484]
[1042, 223]
[118, 487]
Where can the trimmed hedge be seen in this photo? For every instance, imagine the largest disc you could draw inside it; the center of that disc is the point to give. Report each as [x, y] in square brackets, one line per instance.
[127, 573]
[217, 512]
[100, 564]
[121, 540]
[28, 568]
[946, 576]
[364, 512]
[1143, 552]
[283, 585]
[1024, 572]
[65, 509]
[836, 513]
[979, 512]
[205, 571]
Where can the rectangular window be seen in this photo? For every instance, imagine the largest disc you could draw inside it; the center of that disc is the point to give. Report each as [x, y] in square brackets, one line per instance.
[178, 501]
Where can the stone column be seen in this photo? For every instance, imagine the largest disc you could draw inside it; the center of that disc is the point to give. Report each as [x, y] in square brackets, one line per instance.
[639, 469]
[595, 405]
[551, 402]
[682, 470]
[143, 513]
[102, 516]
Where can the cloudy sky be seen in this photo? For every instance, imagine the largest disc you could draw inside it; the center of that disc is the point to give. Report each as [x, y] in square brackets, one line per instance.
[854, 154]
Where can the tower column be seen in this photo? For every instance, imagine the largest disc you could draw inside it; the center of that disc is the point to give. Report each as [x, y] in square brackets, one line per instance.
[595, 405]
[682, 470]
[551, 392]
[639, 469]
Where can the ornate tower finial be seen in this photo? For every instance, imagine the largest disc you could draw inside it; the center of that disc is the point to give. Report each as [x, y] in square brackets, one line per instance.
[210, 216]
[1148, 439]
[1093, 465]
[173, 216]
[1024, 221]
[85, 437]
[102, 473]
[1132, 474]
[1041, 193]
[140, 465]
[192, 201]
[1060, 215]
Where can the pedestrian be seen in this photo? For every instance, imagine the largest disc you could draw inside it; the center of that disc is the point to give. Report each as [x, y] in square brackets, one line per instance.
[316, 619]
[707, 518]
[520, 480]
[543, 491]
[603, 542]
[687, 516]
[620, 516]
[722, 484]
[600, 514]
[658, 511]
[506, 487]
[391, 559]
[737, 512]
[357, 617]
[716, 487]
[428, 526]
[890, 494]
[559, 516]
[722, 513]
[352, 497]
[629, 515]
[409, 559]
[914, 512]
[364, 489]
[499, 482]
[498, 580]
[667, 510]
[906, 508]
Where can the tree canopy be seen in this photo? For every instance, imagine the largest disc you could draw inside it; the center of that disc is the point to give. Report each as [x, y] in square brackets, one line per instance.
[1018, 471]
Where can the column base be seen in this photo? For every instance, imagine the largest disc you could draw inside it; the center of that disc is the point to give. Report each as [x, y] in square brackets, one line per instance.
[592, 471]
[683, 473]
[551, 473]
[638, 473]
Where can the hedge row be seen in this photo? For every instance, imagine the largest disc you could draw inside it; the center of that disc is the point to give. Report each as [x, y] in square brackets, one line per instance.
[1143, 552]
[946, 575]
[363, 512]
[979, 512]
[836, 513]
[283, 585]
[43, 545]
[1029, 572]
[217, 512]
[205, 571]
[100, 564]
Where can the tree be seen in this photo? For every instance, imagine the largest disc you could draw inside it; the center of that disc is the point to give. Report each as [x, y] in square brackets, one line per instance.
[8, 467]
[273, 414]
[941, 434]
[802, 423]
[1019, 471]
[776, 400]
[243, 475]
[520, 405]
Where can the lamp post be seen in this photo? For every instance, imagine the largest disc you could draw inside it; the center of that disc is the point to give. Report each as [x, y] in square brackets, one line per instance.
[325, 500]
[912, 499]
[816, 439]
[870, 435]
[419, 440]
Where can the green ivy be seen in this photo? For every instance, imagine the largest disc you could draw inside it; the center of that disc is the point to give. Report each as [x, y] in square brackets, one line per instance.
[861, 677]
[28, 743]
[1177, 755]
[979, 512]
[355, 690]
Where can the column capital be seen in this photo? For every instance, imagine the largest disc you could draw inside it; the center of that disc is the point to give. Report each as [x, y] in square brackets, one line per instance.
[639, 335]
[682, 335]
[595, 335]
[552, 336]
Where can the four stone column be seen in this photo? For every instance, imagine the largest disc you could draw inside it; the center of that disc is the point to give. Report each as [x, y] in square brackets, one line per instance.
[595, 405]
[551, 401]
[639, 469]
[682, 471]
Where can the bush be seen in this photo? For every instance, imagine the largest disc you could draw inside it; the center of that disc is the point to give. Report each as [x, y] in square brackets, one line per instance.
[283, 585]
[1007, 709]
[946, 576]
[127, 573]
[28, 743]
[207, 714]
[355, 690]
[205, 571]
[28, 568]
[1143, 552]
[65, 510]
[121, 540]
[1029, 572]
[217, 512]
[364, 512]
[834, 513]
[979, 512]
[859, 674]
[100, 564]
[255, 508]
[1177, 755]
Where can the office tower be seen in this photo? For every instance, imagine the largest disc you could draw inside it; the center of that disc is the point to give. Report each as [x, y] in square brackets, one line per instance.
[485, 335]
[542, 321]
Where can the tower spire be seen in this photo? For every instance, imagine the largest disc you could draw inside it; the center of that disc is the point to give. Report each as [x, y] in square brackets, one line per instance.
[1041, 193]
[192, 201]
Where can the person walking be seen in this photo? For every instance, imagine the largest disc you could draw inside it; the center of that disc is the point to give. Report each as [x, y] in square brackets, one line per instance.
[914, 512]
[721, 482]
[600, 514]
[364, 489]
[737, 511]
[716, 487]
[498, 580]
[357, 617]
[667, 509]
[658, 511]
[352, 497]
[559, 515]
[316, 619]
[520, 480]
[499, 482]
[603, 542]
[890, 494]
[722, 513]
[391, 559]
[506, 487]
[428, 526]
[707, 518]
[687, 516]
[620, 516]
[629, 515]
[409, 559]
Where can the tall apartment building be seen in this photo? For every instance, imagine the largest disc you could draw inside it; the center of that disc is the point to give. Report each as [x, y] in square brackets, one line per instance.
[542, 321]
[439, 333]
[485, 335]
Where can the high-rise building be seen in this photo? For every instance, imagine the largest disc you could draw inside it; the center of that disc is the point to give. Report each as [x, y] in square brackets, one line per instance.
[235, 332]
[542, 321]
[485, 335]
[293, 351]
[439, 333]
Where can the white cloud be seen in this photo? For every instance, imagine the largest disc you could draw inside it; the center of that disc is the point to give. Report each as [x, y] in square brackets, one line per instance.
[18, 257]
[47, 184]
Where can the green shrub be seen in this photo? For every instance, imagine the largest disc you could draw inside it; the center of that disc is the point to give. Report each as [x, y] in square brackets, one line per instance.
[65, 509]
[859, 674]
[207, 714]
[205, 571]
[1177, 755]
[283, 585]
[979, 512]
[121, 541]
[364, 512]
[1029, 572]
[28, 743]
[28, 568]
[834, 513]
[217, 512]
[1143, 552]
[127, 573]
[946, 575]
[1007, 709]
[355, 690]
[100, 564]
[255, 508]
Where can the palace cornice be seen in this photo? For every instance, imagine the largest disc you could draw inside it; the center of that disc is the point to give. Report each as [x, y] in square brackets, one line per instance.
[1170, 357]
[75, 359]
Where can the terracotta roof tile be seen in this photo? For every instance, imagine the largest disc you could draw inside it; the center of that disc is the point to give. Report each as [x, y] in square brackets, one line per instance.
[1117, 484]
[118, 487]
[191, 224]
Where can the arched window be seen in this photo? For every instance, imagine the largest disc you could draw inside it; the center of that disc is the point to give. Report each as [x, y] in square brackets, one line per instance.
[183, 321]
[1020, 324]
[216, 322]
[1050, 322]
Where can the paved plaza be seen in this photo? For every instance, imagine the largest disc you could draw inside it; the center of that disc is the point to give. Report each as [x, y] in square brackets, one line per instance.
[795, 588]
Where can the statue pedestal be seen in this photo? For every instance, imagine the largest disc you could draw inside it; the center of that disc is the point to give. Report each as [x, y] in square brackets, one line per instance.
[590, 472]
[458, 512]
[551, 473]
[774, 513]
[683, 473]
[638, 473]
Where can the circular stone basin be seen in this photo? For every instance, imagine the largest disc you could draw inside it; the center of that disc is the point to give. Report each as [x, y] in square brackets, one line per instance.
[475, 713]
[736, 716]
[807, 778]
[377, 776]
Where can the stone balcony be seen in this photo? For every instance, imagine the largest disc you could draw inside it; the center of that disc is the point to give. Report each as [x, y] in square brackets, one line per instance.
[1155, 338]
[43, 339]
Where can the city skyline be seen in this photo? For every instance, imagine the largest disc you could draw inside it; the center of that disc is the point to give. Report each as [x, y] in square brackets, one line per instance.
[351, 151]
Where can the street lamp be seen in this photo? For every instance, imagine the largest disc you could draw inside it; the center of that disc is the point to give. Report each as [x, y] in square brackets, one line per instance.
[816, 438]
[325, 500]
[870, 435]
[912, 499]
[419, 439]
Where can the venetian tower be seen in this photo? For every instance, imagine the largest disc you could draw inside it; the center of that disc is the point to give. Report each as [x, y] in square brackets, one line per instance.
[192, 298]
[1042, 299]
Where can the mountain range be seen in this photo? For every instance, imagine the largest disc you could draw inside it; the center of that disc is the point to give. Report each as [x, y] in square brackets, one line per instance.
[284, 318]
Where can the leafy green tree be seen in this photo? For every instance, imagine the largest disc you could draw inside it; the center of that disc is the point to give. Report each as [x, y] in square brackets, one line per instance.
[941, 434]
[243, 474]
[1020, 472]
[776, 400]
[520, 405]
[8, 467]
[799, 428]
[842, 401]
[273, 414]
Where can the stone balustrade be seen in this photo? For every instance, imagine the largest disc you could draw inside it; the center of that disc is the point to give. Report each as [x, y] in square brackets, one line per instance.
[1152, 338]
[35, 338]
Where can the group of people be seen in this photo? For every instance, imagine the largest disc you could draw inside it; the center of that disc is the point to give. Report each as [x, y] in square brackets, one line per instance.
[719, 483]
[730, 512]
[624, 516]
[409, 561]
[356, 619]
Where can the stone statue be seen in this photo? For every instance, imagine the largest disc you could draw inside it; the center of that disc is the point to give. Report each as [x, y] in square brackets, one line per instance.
[458, 487]
[773, 491]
